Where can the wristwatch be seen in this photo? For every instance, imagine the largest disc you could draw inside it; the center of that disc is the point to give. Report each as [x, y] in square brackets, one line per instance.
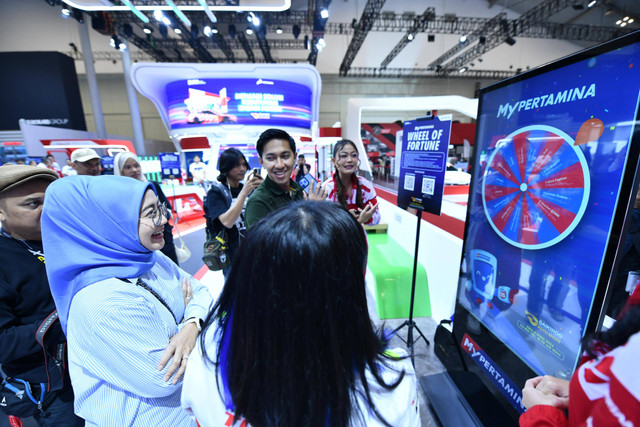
[196, 321]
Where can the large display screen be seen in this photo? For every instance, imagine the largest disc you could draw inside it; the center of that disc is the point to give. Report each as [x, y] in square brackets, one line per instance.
[274, 103]
[551, 175]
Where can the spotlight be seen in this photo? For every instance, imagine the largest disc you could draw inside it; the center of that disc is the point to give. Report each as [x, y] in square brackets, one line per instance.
[619, 21]
[431, 38]
[116, 43]
[158, 15]
[463, 38]
[177, 30]
[324, 13]
[296, 31]
[592, 3]
[127, 30]
[214, 30]
[510, 41]
[166, 21]
[410, 36]
[254, 19]
[147, 30]
[65, 11]
[462, 69]
[279, 30]
[232, 31]
[625, 19]
[630, 21]
[321, 44]
[249, 30]
[163, 30]
[207, 31]
[624, 24]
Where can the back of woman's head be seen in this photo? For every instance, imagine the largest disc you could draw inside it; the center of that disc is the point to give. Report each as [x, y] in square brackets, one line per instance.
[229, 159]
[293, 319]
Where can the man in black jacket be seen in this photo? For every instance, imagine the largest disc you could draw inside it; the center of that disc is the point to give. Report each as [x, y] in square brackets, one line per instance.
[31, 339]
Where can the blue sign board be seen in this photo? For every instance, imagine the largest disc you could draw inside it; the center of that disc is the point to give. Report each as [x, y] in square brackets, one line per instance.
[425, 144]
[170, 165]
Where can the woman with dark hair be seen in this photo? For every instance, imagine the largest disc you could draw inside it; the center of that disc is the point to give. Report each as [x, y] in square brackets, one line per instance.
[354, 193]
[604, 390]
[225, 201]
[127, 164]
[290, 341]
[131, 316]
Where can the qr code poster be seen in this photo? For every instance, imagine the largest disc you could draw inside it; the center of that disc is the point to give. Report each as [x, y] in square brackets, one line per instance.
[428, 185]
[409, 182]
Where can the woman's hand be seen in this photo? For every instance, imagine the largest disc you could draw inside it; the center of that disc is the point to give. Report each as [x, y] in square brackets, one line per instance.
[316, 192]
[250, 185]
[366, 213]
[187, 293]
[178, 350]
[546, 390]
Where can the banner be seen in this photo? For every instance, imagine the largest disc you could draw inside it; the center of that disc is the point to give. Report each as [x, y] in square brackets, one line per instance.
[425, 144]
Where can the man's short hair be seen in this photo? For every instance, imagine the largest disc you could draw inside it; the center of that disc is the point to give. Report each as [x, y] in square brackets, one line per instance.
[301, 156]
[12, 176]
[84, 155]
[270, 134]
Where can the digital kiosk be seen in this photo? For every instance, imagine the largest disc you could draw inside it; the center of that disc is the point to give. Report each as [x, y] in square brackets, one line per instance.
[553, 179]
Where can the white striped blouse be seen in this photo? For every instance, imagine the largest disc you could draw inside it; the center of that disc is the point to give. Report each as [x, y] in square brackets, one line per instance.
[116, 333]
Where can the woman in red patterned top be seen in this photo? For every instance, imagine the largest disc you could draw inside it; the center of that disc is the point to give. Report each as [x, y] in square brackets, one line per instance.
[604, 390]
[353, 192]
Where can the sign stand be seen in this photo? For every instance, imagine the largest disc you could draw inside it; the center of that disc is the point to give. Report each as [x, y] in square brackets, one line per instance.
[409, 323]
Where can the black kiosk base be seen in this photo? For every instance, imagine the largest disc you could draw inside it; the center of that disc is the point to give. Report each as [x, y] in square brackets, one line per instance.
[459, 398]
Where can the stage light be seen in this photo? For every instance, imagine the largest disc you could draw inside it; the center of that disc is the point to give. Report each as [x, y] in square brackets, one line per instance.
[253, 19]
[208, 11]
[410, 36]
[179, 13]
[624, 24]
[462, 69]
[214, 30]
[463, 38]
[625, 19]
[65, 11]
[232, 31]
[279, 30]
[619, 21]
[630, 21]
[249, 30]
[296, 31]
[592, 3]
[321, 44]
[207, 31]
[158, 15]
[147, 30]
[166, 21]
[177, 30]
[135, 11]
[324, 13]
[116, 43]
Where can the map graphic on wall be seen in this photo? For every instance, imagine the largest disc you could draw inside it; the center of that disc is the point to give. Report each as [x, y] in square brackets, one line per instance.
[536, 187]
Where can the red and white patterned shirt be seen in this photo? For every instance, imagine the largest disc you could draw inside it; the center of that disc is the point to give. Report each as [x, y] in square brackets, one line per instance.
[368, 195]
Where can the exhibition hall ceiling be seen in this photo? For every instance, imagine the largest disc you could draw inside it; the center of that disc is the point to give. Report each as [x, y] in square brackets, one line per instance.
[358, 38]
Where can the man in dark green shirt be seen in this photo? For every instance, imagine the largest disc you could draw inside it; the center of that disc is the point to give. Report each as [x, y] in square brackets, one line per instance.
[277, 154]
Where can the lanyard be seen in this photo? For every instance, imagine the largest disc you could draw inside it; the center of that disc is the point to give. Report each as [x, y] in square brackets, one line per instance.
[143, 285]
[34, 252]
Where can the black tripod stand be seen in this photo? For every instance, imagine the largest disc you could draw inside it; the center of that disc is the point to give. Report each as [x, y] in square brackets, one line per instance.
[409, 323]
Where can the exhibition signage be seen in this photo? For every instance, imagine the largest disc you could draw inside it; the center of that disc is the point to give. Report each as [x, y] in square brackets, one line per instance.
[425, 144]
[169, 165]
[552, 150]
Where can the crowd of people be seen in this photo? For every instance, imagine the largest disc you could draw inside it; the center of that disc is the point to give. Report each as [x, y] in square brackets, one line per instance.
[111, 331]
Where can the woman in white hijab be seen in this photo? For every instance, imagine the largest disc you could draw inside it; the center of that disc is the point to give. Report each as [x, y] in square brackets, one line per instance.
[127, 164]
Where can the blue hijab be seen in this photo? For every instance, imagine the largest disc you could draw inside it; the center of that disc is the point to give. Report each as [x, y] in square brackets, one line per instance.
[90, 233]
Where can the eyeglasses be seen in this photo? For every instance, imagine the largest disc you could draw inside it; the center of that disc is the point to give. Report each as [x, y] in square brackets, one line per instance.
[158, 213]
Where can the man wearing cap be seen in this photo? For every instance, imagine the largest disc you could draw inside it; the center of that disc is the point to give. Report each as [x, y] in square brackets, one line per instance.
[86, 161]
[32, 342]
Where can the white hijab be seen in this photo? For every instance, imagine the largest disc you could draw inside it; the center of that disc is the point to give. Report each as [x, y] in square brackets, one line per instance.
[121, 158]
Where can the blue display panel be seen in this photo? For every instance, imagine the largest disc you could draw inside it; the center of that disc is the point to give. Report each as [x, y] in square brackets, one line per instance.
[274, 103]
[552, 157]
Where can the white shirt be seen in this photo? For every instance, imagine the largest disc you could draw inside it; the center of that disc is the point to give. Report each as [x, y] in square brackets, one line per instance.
[399, 407]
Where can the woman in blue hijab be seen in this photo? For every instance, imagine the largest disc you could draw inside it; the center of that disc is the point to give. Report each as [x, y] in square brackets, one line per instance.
[120, 301]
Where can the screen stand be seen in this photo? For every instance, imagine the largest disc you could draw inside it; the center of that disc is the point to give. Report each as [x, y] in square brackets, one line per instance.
[409, 323]
[459, 398]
